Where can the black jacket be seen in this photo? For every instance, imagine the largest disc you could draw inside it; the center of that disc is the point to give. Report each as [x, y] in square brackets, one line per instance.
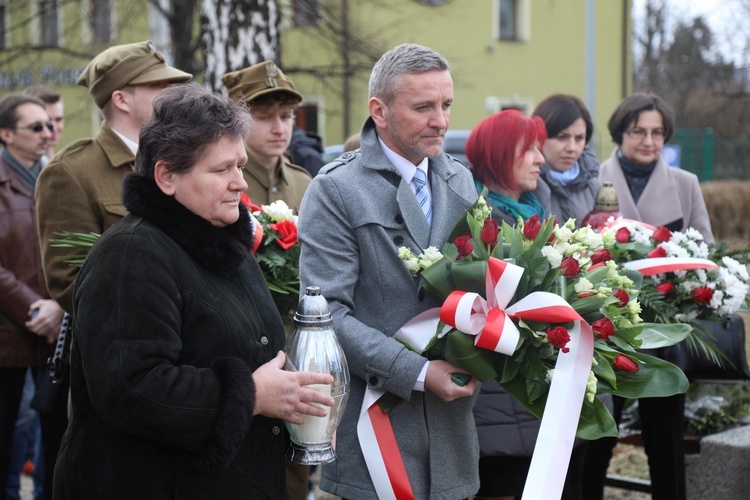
[306, 150]
[172, 318]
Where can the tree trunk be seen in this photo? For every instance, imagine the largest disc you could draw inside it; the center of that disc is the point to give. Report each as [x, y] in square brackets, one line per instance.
[236, 34]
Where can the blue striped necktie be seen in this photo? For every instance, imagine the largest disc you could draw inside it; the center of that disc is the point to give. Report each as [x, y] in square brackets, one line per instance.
[422, 193]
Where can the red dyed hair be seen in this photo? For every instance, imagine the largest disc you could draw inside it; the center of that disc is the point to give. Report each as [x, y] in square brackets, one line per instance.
[491, 146]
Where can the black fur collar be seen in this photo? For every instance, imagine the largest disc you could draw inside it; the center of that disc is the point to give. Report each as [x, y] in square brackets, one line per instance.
[218, 249]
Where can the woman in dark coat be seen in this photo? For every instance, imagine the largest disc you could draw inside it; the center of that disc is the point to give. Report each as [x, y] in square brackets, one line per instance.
[505, 154]
[570, 175]
[177, 384]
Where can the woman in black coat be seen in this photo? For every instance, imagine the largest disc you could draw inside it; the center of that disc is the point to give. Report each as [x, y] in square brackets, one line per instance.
[177, 384]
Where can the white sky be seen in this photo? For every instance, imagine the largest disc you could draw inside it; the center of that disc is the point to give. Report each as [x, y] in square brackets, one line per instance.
[724, 17]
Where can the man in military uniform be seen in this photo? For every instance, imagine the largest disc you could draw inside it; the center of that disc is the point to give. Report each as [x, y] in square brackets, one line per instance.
[272, 100]
[79, 191]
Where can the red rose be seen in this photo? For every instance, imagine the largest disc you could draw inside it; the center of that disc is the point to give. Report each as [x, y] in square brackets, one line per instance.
[623, 235]
[662, 234]
[490, 230]
[586, 294]
[531, 227]
[570, 267]
[558, 337]
[665, 288]
[596, 266]
[603, 328]
[602, 255]
[625, 364]
[287, 233]
[622, 296]
[551, 239]
[463, 245]
[702, 295]
[657, 252]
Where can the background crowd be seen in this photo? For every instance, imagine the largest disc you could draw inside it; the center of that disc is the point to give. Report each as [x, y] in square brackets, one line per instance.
[177, 385]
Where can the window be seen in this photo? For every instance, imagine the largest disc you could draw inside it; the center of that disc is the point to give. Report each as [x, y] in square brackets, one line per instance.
[101, 21]
[508, 20]
[305, 12]
[511, 20]
[306, 117]
[48, 20]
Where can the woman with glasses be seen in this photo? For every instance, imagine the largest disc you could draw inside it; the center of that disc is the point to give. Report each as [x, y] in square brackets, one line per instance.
[648, 190]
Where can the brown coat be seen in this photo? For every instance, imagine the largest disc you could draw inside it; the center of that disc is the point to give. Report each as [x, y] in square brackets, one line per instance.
[672, 198]
[79, 191]
[21, 274]
[290, 185]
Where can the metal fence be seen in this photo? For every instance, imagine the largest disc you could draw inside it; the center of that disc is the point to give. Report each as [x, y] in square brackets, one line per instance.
[711, 159]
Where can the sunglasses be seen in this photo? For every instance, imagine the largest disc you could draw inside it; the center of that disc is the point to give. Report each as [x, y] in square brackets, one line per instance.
[38, 127]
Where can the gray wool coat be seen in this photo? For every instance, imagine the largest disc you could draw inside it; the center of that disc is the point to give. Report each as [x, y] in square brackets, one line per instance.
[355, 215]
[672, 198]
[575, 199]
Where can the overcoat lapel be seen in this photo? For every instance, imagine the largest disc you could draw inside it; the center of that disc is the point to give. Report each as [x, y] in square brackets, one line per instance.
[414, 218]
[444, 202]
[660, 202]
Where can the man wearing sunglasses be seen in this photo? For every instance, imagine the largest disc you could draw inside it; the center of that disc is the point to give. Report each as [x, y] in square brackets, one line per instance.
[29, 319]
[79, 191]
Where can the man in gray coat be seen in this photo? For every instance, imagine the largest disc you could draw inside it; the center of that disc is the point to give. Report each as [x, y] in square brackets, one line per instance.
[355, 215]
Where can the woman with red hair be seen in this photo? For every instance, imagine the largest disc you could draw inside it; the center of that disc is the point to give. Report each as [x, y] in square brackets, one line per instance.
[505, 154]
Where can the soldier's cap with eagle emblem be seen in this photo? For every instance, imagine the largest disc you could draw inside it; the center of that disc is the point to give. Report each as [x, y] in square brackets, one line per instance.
[131, 64]
[258, 80]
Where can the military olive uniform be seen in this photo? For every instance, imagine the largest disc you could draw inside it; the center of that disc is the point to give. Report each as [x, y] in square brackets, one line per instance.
[79, 191]
[290, 184]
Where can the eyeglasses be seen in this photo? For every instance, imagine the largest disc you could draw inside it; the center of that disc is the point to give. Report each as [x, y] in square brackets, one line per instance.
[640, 134]
[39, 127]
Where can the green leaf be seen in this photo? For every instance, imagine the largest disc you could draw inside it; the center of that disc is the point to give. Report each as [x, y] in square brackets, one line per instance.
[461, 351]
[437, 278]
[654, 378]
[596, 422]
[603, 370]
[655, 335]
[470, 276]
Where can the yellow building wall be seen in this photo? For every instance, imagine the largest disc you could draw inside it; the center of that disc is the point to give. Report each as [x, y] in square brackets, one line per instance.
[487, 72]
[24, 62]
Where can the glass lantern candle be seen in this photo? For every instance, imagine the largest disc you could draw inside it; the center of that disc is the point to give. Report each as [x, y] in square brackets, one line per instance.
[313, 347]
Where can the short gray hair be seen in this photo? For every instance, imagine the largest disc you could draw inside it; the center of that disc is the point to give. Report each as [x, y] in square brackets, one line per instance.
[186, 120]
[385, 78]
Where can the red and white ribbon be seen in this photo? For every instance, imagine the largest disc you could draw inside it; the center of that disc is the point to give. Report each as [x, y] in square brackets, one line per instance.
[380, 449]
[660, 265]
[486, 319]
[554, 444]
[492, 325]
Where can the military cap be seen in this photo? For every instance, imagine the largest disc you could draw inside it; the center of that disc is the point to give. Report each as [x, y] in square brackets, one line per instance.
[259, 79]
[130, 64]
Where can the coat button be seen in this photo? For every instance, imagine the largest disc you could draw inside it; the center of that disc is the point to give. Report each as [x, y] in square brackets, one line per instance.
[373, 380]
[264, 340]
[398, 240]
[275, 430]
[274, 190]
[399, 219]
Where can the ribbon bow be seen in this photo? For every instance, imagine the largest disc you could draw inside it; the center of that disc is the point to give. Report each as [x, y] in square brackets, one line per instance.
[486, 319]
[491, 323]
